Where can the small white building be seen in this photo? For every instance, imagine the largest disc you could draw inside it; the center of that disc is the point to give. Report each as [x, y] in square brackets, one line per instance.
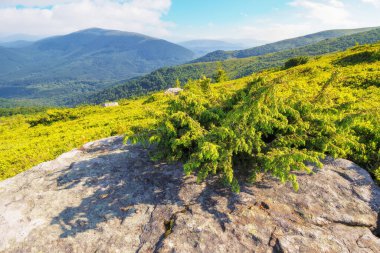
[173, 91]
[111, 104]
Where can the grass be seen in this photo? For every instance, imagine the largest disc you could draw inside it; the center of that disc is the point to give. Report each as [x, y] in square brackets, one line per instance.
[23, 145]
[27, 140]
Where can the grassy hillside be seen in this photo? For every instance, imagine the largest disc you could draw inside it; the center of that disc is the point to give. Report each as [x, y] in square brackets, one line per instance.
[280, 45]
[343, 87]
[235, 68]
[27, 140]
[86, 61]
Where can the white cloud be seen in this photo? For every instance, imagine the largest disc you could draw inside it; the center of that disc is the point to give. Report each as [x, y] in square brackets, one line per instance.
[328, 12]
[304, 17]
[142, 16]
[373, 2]
[264, 30]
[273, 31]
[31, 3]
[50, 17]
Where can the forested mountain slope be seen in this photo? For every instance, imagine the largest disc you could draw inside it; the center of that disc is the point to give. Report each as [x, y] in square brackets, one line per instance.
[235, 68]
[16, 44]
[280, 45]
[84, 61]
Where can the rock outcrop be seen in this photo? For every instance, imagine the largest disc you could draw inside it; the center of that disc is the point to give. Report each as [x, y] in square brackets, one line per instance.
[173, 91]
[109, 197]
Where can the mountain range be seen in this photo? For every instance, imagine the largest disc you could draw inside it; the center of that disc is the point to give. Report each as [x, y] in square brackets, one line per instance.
[83, 61]
[234, 67]
[221, 55]
[95, 65]
[202, 47]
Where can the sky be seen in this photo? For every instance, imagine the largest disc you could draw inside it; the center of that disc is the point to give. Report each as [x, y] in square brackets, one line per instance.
[179, 20]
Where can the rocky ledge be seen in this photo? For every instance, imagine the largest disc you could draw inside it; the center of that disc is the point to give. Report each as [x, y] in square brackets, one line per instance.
[109, 197]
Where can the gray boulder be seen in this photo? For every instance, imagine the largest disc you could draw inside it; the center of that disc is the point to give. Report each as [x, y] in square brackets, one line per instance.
[109, 197]
[173, 91]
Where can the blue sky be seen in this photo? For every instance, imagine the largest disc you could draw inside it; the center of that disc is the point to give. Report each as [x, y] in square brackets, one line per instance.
[178, 20]
[200, 12]
[209, 17]
[269, 20]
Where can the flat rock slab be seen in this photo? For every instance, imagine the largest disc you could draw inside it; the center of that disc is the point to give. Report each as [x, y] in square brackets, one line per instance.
[109, 197]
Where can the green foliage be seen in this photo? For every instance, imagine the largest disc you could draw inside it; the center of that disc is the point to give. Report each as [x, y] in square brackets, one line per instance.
[293, 62]
[377, 174]
[280, 122]
[56, 115]
[21, 110]
[220, 75]
[177, 83]
[361, 57]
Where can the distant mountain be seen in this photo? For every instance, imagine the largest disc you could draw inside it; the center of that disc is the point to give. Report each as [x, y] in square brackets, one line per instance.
[220, 55]
[89, 60]
[202, 47]
[235, 68]
[17, 37]
[16, 44]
